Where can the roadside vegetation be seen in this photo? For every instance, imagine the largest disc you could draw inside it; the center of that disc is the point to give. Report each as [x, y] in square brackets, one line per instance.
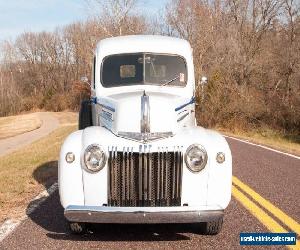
[249, 50]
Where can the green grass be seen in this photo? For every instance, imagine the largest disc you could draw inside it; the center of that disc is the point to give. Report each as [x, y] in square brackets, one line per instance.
[23, 174]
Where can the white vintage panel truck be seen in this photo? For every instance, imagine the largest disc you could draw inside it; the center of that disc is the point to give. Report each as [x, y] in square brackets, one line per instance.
[139, 156]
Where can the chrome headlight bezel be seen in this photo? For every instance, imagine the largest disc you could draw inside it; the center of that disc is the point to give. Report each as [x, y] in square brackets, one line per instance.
[204, 161]
[94, 148]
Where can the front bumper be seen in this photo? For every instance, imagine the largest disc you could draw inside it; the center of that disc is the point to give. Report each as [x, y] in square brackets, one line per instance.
[140, 215]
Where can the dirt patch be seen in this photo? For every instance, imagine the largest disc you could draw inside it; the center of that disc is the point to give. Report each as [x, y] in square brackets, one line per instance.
[15, 125]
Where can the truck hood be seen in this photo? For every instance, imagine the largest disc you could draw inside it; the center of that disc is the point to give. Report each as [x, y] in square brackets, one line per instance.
[144, 115]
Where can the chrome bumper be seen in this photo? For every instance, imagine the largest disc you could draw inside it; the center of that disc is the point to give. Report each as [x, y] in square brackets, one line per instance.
[140, 215]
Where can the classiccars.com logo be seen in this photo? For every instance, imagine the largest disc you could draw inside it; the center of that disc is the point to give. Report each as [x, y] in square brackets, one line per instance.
[268, 238]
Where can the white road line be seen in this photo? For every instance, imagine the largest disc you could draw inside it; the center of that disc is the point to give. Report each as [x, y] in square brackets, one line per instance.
[9, 226]
[264, 147]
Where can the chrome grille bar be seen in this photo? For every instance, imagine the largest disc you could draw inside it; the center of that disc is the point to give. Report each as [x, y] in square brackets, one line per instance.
[127, 177]
[140, 180]
[123, 174]
[150, 176]
[132, 181]
[145, 175]
[178, 172]
[158, 176]
[162, 177]
[174, 174]
[166, 174]
[145, 178]
[109, 181]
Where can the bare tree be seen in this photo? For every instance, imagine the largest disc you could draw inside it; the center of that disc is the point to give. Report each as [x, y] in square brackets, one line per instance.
[249, 49]
[117, 17]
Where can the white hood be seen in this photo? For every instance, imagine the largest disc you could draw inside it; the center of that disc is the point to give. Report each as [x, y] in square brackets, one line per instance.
[123, 112]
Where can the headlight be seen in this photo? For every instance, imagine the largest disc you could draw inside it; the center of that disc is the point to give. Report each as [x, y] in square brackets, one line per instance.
[94, 158]
[195, 158]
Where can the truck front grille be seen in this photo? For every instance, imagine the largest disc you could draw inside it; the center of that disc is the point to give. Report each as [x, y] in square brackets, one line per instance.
[144, 178]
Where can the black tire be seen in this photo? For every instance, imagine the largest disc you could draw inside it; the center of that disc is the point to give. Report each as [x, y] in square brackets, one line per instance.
[77, 227]
[85, 114]
[213, 227]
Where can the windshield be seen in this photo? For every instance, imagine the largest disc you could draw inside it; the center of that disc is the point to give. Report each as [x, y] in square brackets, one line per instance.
[143, 68]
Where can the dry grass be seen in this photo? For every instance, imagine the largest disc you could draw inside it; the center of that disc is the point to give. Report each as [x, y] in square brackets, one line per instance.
[25, 173]
[287, 143]
[15, 125]
[66, 118]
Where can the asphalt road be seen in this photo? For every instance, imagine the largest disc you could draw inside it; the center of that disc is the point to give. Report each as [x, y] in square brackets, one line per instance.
[49, 123]
[272, 176]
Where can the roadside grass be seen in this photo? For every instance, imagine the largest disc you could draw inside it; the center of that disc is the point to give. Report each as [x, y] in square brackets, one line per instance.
[276, 140]
[66, 118]
[25, 173]
[15, 125]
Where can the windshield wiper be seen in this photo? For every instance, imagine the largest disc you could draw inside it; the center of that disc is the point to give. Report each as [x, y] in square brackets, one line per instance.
[172, 80]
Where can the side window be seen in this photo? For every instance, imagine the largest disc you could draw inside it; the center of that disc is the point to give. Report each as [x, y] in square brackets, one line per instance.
[122, 70]
[94, 73]
[127, 71]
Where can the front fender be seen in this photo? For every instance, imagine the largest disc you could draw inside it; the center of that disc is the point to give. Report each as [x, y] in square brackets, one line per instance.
[218, 176]
[70, 174]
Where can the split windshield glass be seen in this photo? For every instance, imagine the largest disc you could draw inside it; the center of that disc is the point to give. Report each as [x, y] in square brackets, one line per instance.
[143, 69]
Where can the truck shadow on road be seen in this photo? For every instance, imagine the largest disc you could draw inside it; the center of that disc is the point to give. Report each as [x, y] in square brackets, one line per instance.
[49, 216]
[46, 174]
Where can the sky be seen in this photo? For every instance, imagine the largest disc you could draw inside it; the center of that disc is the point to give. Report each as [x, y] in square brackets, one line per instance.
[17, 16]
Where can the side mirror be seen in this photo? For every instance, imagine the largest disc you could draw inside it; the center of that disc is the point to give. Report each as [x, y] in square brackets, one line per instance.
[84, 79]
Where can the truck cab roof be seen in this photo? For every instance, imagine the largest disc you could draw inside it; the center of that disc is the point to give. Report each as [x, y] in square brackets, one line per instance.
[144, 43]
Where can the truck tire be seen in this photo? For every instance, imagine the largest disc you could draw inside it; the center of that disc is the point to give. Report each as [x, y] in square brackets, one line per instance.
[213, 227]
[85, 114]
[77, 228]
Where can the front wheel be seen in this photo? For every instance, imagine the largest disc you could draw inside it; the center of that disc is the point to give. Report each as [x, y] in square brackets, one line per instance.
[212, 227]
[77, 227]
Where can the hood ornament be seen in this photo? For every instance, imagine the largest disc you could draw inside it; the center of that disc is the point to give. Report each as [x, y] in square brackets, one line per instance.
[145, 135]
[145, 113]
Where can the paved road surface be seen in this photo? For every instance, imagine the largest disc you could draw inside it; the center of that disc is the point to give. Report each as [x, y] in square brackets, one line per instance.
[49, 123]
[272, 176]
